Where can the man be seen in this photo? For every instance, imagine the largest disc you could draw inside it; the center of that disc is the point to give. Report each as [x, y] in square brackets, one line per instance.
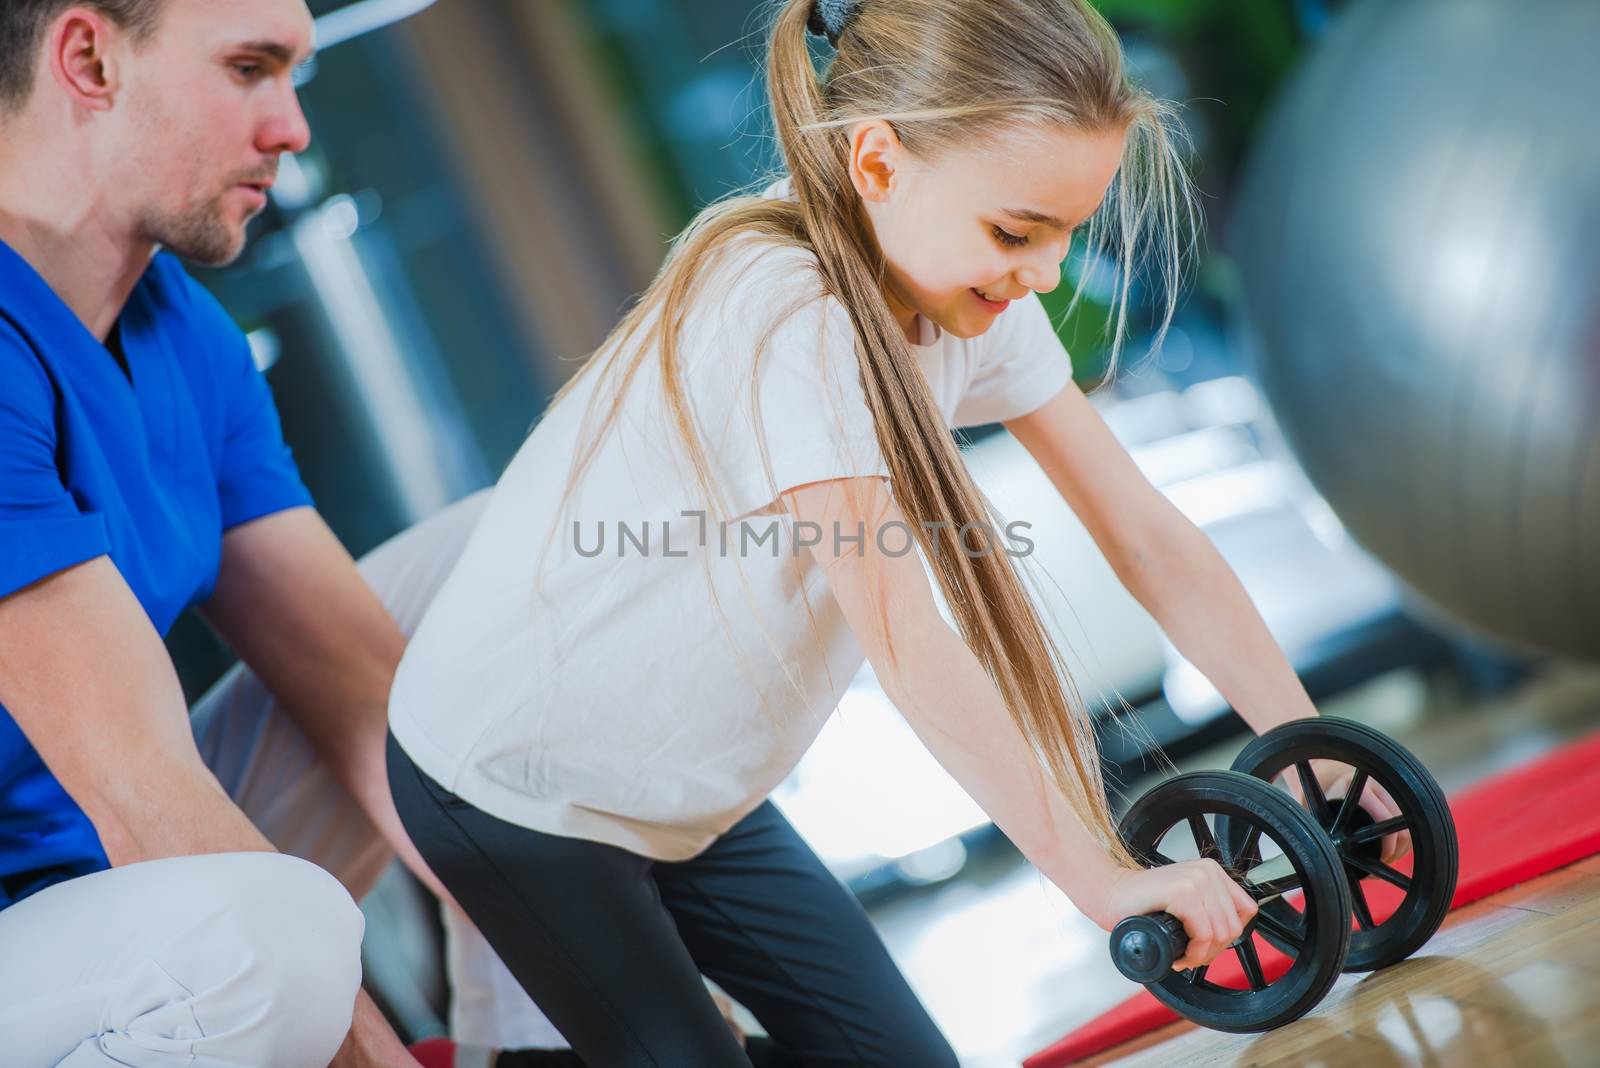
[145, 915]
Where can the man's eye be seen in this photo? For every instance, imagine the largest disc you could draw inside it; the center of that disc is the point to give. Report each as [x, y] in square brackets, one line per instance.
[1007, 238]
[247, 71]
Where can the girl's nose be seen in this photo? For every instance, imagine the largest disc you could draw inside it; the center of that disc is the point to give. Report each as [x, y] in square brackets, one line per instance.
[1041, 275]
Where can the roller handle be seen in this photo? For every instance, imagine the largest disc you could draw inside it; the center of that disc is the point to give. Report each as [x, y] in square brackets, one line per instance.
[1144, 947]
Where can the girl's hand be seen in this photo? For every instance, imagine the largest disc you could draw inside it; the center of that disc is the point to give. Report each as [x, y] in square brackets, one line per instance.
[1211, 906]
[1334, 778]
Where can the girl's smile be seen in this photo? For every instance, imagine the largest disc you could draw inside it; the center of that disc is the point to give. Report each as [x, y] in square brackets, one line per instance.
[993, 307]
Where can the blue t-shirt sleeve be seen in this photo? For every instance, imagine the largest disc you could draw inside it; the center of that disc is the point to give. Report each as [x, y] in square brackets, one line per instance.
[42, 530]
[256, 473]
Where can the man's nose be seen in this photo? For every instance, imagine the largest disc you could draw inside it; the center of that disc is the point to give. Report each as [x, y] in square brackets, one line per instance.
[285, 129]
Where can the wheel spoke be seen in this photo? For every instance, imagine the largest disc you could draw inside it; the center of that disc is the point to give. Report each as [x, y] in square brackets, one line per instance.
[1246, 950]
[1352, 802]
[1202, 837]
[1358, 899]
[1315, 799]
[1281, 930]
[1158, 859]
[1274, 887]
[1376, 831]
[1197, 975]
[1244, 860]
[1378, 869]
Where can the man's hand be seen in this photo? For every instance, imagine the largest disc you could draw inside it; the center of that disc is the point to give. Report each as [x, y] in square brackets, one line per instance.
[372, 1043]
[729, 1014]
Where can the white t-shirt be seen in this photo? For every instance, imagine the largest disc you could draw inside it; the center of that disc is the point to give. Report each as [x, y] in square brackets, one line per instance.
[651, 694]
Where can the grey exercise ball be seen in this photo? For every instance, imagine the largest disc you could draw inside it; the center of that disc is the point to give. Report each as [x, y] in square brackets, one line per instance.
[1418, 240]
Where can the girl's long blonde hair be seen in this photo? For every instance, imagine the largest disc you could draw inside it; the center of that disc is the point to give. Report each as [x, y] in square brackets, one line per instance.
[944, 73]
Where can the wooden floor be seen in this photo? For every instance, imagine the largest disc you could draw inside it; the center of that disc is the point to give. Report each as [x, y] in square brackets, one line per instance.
[1512, 981]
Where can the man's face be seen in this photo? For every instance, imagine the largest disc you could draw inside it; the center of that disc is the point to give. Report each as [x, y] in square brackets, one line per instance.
[211, 107]
[966, 233]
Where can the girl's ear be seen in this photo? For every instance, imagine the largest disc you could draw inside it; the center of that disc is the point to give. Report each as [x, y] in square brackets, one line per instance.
[875, 155]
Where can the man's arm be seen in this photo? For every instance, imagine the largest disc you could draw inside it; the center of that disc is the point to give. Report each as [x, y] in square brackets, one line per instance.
[1167, 563]
[88, 680]
[291, 603]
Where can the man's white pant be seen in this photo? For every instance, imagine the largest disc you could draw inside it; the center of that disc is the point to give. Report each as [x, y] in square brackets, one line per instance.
[488, 1007]
[240, 960]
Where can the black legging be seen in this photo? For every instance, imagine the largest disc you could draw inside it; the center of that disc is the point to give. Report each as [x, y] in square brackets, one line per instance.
[612, 945]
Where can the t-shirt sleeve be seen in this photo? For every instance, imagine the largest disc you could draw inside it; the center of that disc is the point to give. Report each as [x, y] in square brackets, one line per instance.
[256, 473]
[42, 530]
[1022, 365]
[790, 384]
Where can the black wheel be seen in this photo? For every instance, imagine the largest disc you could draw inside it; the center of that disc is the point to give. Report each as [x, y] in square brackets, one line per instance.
[1280, 851]
[1426, 890]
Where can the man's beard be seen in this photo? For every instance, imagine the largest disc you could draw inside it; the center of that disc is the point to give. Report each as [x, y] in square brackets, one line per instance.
[200, 234]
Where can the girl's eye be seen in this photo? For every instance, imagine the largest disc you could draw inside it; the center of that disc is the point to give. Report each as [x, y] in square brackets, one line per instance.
[1007, 238]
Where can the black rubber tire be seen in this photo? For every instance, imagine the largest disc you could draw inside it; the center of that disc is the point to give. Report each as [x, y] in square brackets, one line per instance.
[1248, 801]
[1422, 803]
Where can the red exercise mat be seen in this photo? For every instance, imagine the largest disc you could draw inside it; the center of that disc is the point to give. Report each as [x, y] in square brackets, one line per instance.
[1511, 827]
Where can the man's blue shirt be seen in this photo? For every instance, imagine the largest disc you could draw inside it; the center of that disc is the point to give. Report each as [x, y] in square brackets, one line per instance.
[148, 466]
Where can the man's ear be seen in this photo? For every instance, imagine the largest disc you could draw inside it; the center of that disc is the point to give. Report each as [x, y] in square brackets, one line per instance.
[875, 154]
[82, 54]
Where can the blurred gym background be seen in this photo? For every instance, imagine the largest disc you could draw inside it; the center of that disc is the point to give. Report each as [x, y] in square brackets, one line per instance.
[1378, 398]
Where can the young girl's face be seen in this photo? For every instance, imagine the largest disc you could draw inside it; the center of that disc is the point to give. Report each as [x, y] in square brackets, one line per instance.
[969, 231]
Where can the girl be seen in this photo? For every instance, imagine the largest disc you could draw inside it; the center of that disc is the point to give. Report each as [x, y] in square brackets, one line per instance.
[711, 526]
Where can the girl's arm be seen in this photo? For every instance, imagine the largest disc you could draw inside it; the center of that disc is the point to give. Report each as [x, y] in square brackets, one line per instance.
[1165, 561]
[1171, 567]
[950, 702]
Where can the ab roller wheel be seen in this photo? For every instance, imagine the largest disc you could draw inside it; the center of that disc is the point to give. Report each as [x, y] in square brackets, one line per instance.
[1367, 755]
[1287, 852]
[1305, 866]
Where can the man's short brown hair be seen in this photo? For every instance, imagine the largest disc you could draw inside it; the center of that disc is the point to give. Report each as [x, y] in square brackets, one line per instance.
[22, 28]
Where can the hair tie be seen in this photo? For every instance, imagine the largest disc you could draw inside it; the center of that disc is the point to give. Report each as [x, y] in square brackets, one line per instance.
[829, 18]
